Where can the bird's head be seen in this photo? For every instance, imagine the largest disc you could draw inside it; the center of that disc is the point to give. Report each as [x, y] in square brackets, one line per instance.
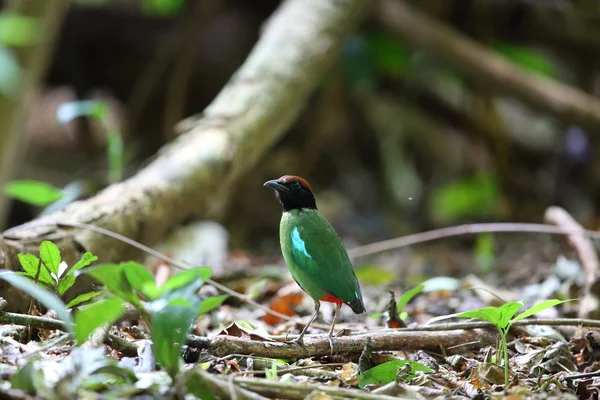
[293, 192]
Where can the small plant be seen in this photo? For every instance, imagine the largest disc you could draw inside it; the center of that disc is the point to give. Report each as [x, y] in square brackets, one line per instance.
[169, 310]
[50, 271]
[502, 318]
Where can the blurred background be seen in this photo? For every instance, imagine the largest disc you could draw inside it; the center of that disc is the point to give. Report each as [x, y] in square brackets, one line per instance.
[394, 141]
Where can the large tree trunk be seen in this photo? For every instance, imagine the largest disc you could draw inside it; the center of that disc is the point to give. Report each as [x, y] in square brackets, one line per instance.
[191, 175]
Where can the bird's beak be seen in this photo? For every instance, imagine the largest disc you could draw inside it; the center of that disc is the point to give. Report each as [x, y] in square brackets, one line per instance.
[276, 185]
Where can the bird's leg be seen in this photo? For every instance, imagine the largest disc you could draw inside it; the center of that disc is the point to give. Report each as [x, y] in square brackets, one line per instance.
[335, 315]
[300, 338]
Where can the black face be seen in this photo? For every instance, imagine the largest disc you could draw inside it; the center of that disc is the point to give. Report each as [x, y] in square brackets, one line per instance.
[292, 194]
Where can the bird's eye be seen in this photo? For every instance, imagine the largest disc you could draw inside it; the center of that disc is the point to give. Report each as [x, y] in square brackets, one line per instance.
[296, 185]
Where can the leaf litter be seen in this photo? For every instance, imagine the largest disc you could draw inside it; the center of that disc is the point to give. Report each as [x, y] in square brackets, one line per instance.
[559, 361]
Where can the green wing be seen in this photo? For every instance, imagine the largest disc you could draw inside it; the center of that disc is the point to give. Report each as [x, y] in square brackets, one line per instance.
[316, 249]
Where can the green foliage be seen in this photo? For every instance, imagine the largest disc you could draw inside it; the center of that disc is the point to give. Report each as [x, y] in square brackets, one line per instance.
[32, 192]
[163, 7]
[49, 270]
[408, 296]
[477, 196]
[169, 332]
[503, 317]
[92, 317]
[50, 255]
[169, 310]
[529, 59]
[485, 251]
[211, 303]
[390, 56]
[98, 110]
[18, 30]
[386, 372]
[82, 298]
[45, 297]
[374, 275]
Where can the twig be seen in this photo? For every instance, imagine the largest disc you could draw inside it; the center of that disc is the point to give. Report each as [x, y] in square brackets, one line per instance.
[587, 254]
[583, 376]
[482, 65]
[467, 229]
[275, 389]
[222, 388]
[31, 320]
[289, 370]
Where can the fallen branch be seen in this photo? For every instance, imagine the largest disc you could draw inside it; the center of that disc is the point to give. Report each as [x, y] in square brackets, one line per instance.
[31, 320]
[352, 345]
[589, 303]
[262, 100]
[489, 69]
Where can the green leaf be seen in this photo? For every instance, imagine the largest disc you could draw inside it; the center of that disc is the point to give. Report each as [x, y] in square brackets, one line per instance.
[466, 198]
[183, 284]
[182, 278]
[168, 332]
[386, 372]
[30, 264]
[92, 317]
[50, 255]
[18, 30]
[540, 307]
[65, 282]
[45, 297]
[490, 314]
[374, 275]
[211, 303]
[507, 311]
[33, 192]
[163, 7]
[529, 59]
[113, 278]
[137, 276]
[85, 260]
[82, 298]
[407, 296]
[485, 251]
[29, 378]
[391, 57]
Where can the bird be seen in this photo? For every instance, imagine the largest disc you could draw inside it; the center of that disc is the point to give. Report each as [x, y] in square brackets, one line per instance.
[313, 251]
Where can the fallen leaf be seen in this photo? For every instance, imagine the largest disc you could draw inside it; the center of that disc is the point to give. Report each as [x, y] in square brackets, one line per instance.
[286, 301]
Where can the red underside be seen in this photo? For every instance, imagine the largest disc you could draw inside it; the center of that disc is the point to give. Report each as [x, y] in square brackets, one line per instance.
[331, 299]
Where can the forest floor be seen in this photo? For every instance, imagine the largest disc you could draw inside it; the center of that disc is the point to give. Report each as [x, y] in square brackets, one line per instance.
[504, 329]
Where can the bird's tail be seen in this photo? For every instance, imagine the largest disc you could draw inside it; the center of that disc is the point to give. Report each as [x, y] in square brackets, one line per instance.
[357, 306]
